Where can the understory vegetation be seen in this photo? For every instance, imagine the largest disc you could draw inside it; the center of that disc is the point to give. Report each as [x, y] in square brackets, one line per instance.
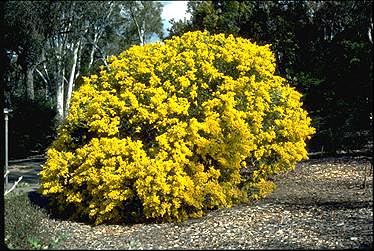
[23, 228]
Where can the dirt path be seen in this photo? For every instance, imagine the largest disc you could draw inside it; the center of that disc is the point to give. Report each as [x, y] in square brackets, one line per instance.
[29, 170]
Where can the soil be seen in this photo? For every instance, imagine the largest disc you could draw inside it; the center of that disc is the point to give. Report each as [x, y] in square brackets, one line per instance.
[331, 182]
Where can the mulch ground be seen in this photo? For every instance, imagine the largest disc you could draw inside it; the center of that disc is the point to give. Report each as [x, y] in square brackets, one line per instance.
[322, 204]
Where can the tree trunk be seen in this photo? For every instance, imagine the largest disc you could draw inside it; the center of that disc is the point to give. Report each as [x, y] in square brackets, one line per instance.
[30, 83]
[60, 86]
[92, 53]
[60, 97]
[48, 83]
[139, 29]
[71, 78]
[370, 31]
[91, 56]
[79, 59]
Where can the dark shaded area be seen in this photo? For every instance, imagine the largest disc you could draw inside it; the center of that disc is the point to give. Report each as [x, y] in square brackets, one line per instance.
[133, 210]
[47, 205]
[31, 127]
[3, 65]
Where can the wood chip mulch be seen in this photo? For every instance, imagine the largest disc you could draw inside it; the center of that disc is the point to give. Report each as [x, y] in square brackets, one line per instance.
[322, 204]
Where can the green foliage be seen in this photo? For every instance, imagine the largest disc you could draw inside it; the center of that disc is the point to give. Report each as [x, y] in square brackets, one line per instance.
[25, 26]
[22, 224]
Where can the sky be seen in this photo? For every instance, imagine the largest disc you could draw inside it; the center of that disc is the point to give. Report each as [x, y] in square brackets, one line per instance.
[172, 9]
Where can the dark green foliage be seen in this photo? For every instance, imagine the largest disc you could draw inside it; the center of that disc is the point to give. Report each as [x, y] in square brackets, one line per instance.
[31, 127]
[22, 224]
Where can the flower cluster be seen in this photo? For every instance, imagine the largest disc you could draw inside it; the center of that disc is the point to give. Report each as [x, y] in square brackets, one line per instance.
[195, 123]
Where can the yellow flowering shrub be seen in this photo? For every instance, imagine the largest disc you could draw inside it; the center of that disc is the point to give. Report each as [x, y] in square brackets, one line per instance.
[177, 128]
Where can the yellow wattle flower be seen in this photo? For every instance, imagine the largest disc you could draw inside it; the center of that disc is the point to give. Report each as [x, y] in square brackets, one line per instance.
[196, 123]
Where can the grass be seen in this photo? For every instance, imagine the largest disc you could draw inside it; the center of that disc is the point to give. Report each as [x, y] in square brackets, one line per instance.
[22, 224]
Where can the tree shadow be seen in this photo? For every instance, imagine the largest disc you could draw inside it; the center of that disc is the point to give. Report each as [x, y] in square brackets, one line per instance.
[48, 205]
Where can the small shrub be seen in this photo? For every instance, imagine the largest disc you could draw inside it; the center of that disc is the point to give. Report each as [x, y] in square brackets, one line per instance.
[22, 223]
[197, 123]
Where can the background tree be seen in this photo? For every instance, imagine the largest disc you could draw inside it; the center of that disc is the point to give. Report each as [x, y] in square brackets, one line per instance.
[143, 19]
[343, 100]
[52, 43]
[3, 66]
[86, 26]
[25, 29]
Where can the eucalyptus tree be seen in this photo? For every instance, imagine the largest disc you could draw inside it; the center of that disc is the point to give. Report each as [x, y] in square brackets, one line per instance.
[61, 49]
[82, 37]
[142, 18]
[57, 41]
[25, 28]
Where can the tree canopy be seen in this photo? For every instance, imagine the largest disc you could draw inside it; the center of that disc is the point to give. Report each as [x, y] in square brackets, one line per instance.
[50, 44]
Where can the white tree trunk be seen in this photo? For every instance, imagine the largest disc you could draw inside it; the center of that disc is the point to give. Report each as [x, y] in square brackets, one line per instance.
[71, 78]
[60, 85]
[60, 98]
[92, 53]
[97, 35]
[370, 31]
[139, 29]
[30, 83]
[77, 69]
